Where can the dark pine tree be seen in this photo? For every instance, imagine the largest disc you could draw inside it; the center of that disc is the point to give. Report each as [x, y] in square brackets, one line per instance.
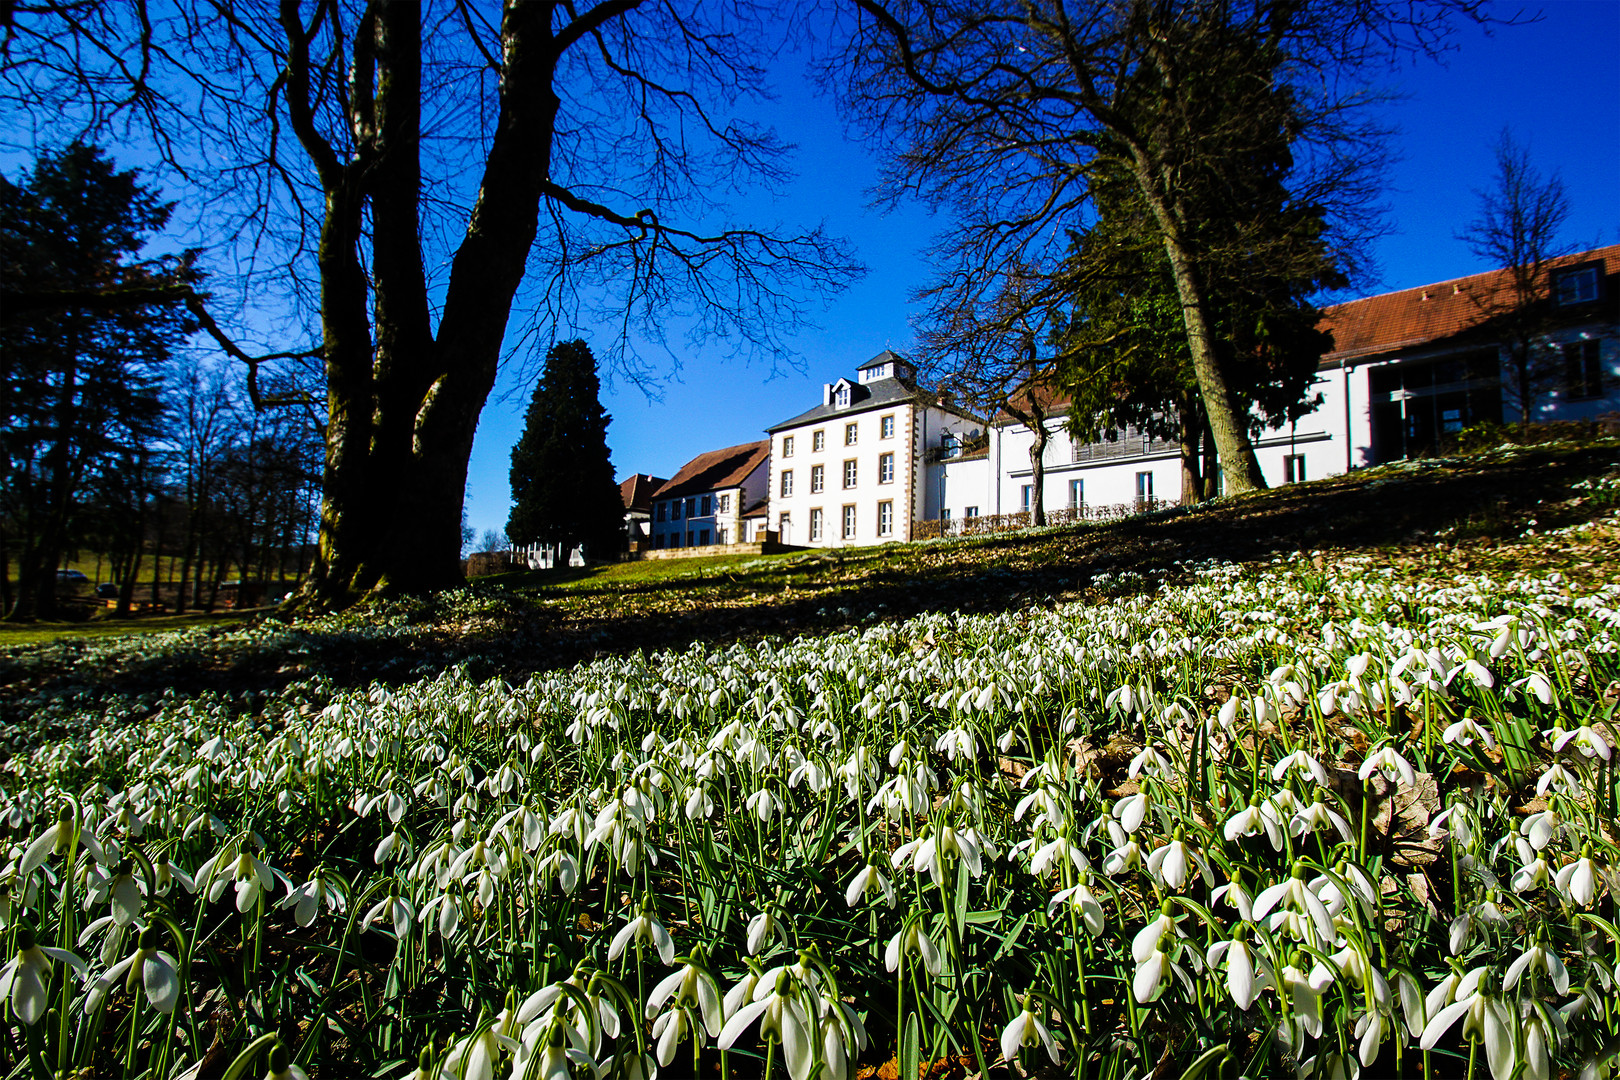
[562, 480]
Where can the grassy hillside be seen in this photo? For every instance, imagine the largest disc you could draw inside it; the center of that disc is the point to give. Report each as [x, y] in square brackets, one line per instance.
[1306, 782]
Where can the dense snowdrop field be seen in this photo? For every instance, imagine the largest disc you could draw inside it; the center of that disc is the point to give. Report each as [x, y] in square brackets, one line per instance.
[1315, 816]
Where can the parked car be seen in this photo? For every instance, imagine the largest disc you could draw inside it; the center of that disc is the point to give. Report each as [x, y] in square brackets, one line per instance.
[74, 576]
[107, 590]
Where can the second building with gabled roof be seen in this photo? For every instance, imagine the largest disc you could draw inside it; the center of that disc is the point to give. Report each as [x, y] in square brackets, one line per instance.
[705, 502]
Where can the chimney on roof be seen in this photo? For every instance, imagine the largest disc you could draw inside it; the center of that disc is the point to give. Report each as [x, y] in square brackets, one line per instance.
[1425, 294]
[826, 393]
[1456, 289]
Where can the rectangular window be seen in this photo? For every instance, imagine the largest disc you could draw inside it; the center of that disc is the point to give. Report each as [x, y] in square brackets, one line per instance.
[818, 479]
[1077, 494]
[849, 523]
[663, 511]
[886, 427]
[1576, 286]
[689, 538]
[725, 504]
[720, 534]
[945, 514]
[849, 473]
[885, 468]
[1027, 495]
[1144, 487]
[815, 525]
[849, 434]
[703, 538]
[818, 440]
[1583, 370]
[675, 510]
[1293, 468]
[886, 518]
[784, 528]
[708, 506]
[787, 446]
[971, 511]
[691, 507]
[787, 482]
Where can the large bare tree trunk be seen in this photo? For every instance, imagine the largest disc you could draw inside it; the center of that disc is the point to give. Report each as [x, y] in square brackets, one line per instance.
[1228, 418]
[402, 414]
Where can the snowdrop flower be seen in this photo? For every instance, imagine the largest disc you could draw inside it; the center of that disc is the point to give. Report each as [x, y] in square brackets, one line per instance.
[1539, 828]
[1245, 976]
[307, 899]
[1302, 762]
[59, 840]
[1316, 817]
[398, 910]
[1583, 738]
[781, 1018]
[1150, 761]
[282, 1068]
[1054, 853]
[867, 880]
[691, 987]
[1293, 895]
[1484, 1020]
[644, 929]
[1131, 810]
[913, 939]
[762, 928]
[1465, 732]
[1537, 685]
[1538, 957]
[156, 971]
[1457, 819]
[1127, 853]
[763, 805]
[1026, 1030]
[1304, 998]
[1173, 863]
[1462, 927]
[1081, 899]
[1234, 894]
[1534, 871]
[1251, 821]
[24, 980]
[1580, 880]
[1559, 780]
[474, 1056]
[1392, 765]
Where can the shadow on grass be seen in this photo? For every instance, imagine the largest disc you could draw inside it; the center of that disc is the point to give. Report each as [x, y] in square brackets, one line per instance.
[532, 621]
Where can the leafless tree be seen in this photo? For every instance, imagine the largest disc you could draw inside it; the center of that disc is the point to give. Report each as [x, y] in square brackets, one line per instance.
[399, 170]
[995, 114]
[1520, 217]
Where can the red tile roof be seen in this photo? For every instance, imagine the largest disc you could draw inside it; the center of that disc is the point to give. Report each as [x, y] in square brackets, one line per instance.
[716, 469]
[1430, 314]
[636, 491]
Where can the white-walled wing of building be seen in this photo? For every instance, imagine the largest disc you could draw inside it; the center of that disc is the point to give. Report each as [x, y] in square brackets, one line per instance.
[1407, 368]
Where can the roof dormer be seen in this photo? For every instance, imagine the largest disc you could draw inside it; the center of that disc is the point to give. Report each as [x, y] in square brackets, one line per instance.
[885, 365]
[838, 395]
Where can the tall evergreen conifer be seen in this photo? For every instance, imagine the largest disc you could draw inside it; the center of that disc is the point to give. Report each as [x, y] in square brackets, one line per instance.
[562, 479]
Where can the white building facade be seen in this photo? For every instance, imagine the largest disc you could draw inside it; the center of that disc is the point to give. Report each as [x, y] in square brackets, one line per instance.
[852, 470]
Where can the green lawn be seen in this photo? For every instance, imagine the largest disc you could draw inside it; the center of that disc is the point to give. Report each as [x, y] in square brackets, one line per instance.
[13, 634]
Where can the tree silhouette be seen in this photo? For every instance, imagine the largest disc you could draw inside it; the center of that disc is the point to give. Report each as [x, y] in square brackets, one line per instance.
[562, 479]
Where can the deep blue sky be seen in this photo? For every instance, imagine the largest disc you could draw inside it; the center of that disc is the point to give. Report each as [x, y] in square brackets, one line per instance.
[1555, 83]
